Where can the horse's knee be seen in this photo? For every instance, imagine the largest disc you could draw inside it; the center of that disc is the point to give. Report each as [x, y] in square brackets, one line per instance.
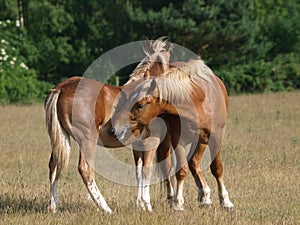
[182, 173]
[194, 166]
[216, 168]
[147, 171]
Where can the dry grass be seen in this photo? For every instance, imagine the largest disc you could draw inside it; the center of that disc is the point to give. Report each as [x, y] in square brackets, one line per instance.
[260, 155]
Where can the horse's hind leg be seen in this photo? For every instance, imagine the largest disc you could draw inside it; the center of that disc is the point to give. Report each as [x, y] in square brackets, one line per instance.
[217, 170]
[53, 177]
[194, 166]
[181, 174]
[58, 160]
[86, 170]
[164, 160]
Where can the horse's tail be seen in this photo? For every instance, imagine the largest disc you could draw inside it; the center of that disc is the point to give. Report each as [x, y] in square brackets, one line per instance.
[59, 138]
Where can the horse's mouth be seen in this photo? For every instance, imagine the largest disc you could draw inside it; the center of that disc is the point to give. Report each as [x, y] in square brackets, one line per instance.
[122, 134]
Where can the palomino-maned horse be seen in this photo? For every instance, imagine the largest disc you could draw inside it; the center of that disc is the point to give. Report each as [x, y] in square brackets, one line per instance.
[196, 103]
[78, 108]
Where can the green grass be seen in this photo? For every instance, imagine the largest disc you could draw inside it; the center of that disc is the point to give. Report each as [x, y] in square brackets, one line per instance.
[260, 156]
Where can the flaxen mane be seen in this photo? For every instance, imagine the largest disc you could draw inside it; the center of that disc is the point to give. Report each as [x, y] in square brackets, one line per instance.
[176, 84]
[158, 49]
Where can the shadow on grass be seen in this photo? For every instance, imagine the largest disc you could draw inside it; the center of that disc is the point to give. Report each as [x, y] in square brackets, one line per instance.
[19, 204]
[12, 204]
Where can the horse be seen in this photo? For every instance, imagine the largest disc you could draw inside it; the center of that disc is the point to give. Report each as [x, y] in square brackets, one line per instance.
[196, 103]
[79, 107]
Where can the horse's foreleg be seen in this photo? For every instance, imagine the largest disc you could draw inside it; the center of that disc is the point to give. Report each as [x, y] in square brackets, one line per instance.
[181, 174]
[194, 166]
[86, 171]
[138, 158]
[147, 168]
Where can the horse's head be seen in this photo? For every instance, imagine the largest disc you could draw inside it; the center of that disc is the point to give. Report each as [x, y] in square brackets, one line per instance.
[156, 61]
[130, 117]
[158, 55]
[135, 110]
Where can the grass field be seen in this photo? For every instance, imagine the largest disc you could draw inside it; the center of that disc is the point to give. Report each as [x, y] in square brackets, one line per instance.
[261, 158]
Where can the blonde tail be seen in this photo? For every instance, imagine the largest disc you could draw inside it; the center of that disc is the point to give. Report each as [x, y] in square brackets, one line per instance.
[59, 139]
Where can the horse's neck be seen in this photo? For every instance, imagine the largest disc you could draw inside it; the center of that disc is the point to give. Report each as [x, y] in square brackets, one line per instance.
[186, 110]
[164, 107]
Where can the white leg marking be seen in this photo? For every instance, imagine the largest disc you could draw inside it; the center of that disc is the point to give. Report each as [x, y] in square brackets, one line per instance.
[224, 197]
[146, 193]
[179, 201]
[139, 178]
[143, 198]
[97, 197]
[204, 196]
[53, 203]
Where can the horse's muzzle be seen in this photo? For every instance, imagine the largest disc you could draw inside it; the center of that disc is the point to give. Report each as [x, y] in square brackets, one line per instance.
[120, 133]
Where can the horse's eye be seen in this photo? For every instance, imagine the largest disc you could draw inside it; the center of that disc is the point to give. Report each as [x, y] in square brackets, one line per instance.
[140, 106]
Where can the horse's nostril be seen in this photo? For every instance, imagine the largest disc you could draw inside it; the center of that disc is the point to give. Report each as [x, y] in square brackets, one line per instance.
[112, 131]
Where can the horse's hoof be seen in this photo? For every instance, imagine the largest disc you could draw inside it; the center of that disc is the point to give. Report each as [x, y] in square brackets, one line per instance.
[144, 206]
[149, 209]
[54, 211]
[229, 208]
[178, 208]
[227, 205]
[206, 206]
[108, 210]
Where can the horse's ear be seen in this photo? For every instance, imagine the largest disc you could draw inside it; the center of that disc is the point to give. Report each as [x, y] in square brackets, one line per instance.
[169, 46]
[148, 43]
[148, 46]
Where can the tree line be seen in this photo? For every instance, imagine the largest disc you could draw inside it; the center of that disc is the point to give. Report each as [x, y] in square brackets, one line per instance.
[252, 45]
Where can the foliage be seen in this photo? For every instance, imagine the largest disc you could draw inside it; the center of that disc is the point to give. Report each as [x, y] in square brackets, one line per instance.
[283, 73]
[254, 45]
[50, 28]
[18, 83]
[199, 25]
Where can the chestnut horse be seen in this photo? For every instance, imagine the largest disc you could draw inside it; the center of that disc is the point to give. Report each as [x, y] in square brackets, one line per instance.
[78, 108]
[196, 103]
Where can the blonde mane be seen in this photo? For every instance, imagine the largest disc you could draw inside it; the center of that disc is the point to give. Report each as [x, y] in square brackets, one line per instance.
[177, 84]
[158, 49]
